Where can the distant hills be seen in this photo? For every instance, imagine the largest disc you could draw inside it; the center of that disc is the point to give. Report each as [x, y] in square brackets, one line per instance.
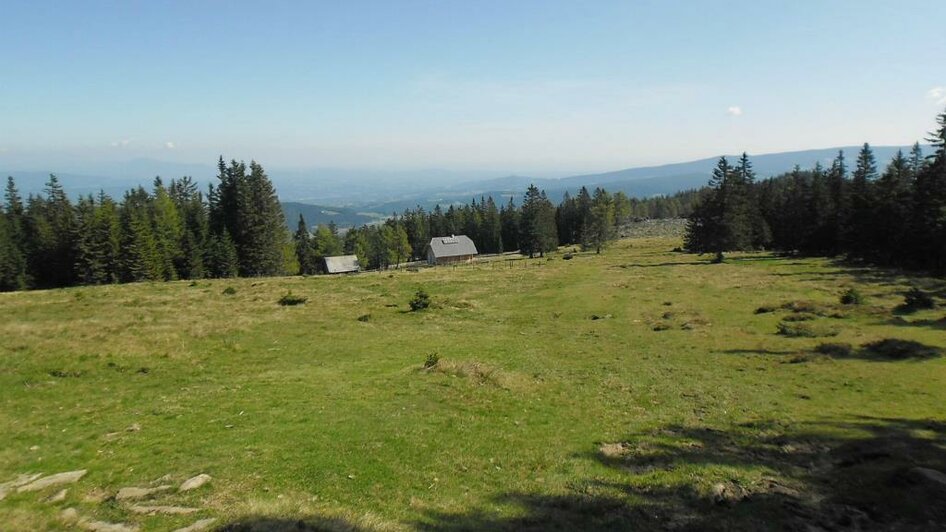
[354, 197]
[314, 215]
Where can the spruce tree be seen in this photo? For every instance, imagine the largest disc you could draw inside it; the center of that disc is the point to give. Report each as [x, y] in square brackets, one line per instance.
[302, 240]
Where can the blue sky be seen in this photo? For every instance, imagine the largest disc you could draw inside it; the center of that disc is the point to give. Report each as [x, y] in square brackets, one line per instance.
[533, 87]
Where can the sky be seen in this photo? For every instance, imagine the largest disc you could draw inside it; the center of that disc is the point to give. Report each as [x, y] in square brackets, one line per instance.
[524, 87]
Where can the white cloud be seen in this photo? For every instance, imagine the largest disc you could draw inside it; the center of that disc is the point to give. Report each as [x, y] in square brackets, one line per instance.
[938, 95]
[169, 145]
[734, 110]
[121, 143]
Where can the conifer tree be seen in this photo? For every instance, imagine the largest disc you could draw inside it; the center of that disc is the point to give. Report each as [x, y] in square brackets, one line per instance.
[509, 217]
[858, 228]
[302, 241]
[599, 227]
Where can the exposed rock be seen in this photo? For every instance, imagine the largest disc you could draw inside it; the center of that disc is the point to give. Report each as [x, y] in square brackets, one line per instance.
[71, 516]
[203, 524]
[24, 478]
[170, 510]
[130, 494]
[727, 493]
[53, 480]
[195, 482]
[59, 496]
[135, 427]
[930, 476]
[104, 526]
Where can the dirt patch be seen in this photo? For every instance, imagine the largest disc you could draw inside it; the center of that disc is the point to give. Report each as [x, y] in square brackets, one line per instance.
[478, 373]
[613, 450]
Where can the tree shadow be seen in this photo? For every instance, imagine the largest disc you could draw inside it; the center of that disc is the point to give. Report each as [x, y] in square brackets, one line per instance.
[276, 524]
[759, 351]
[659, 264]
[902, 322]
[865, 474]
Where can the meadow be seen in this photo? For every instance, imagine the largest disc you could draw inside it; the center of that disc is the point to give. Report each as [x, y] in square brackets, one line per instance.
[635, 389]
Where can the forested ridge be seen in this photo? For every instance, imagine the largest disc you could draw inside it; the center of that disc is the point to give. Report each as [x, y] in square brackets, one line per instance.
[174, 231]
[896, 217]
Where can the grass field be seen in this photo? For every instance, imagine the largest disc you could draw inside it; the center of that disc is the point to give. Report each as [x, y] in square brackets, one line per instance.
[634, 389]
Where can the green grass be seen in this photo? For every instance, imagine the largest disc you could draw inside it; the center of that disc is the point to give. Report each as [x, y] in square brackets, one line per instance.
[678, 404]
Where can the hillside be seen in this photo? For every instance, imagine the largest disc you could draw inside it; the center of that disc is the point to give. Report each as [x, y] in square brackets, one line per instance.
[319, 214]
[639, 388]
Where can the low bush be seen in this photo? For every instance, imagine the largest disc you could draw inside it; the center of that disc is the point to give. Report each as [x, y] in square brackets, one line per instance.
[835, 350]
[801, 316]
[432, 360]
[229, 291]
[289, 300]
[765, 309]
[852, 296]
[917, 299]
[805, 330]
[896, 349]
[420, 301]
[364, 318]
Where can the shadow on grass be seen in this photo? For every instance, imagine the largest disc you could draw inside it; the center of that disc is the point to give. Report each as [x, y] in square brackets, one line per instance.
[863, 475]
[274, 524]
[901, 322]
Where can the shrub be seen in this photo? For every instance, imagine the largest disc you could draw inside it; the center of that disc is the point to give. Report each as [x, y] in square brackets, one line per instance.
[804, 330]
[568, 256]
[364, 317]
[229, 291]
[852, 296]
[896, 349]
[432, 360]
[765, 309]
[289, 300]
[420, 301]
[917, 299]
[835, 350]
[801, 316]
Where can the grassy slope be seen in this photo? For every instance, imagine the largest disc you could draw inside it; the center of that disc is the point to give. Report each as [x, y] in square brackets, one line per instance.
[306, 412]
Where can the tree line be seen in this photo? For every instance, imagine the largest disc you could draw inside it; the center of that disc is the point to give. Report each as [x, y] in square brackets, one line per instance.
[171, 232]
[175, 231]
[533, 228]
[896, 217]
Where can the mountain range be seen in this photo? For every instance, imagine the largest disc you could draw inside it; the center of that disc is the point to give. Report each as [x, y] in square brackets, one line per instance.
[353, 197]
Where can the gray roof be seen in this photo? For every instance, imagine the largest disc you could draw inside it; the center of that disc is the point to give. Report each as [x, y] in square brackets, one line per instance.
[342, 264]
[452, 246]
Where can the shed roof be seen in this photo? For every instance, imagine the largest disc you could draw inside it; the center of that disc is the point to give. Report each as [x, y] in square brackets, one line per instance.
[452, 246]
[342, 264]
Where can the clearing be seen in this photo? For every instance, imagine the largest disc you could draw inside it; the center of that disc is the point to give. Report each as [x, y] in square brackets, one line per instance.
[639, 388]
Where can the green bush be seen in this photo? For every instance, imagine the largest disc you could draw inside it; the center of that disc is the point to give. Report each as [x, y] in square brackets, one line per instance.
[289, 300]
[852, 296]
[420, 301]
[229, 291]
[896, 349]
[432, 360]
[364, 317]
[805, 330]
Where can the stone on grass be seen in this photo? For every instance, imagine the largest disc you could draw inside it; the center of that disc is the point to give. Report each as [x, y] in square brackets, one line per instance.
[53, 480]
[21, 479]
[195, 482]
[104, 526]
[203, 524]
[131, 494]
[931, 476]
[169, 510]
[59, 496]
